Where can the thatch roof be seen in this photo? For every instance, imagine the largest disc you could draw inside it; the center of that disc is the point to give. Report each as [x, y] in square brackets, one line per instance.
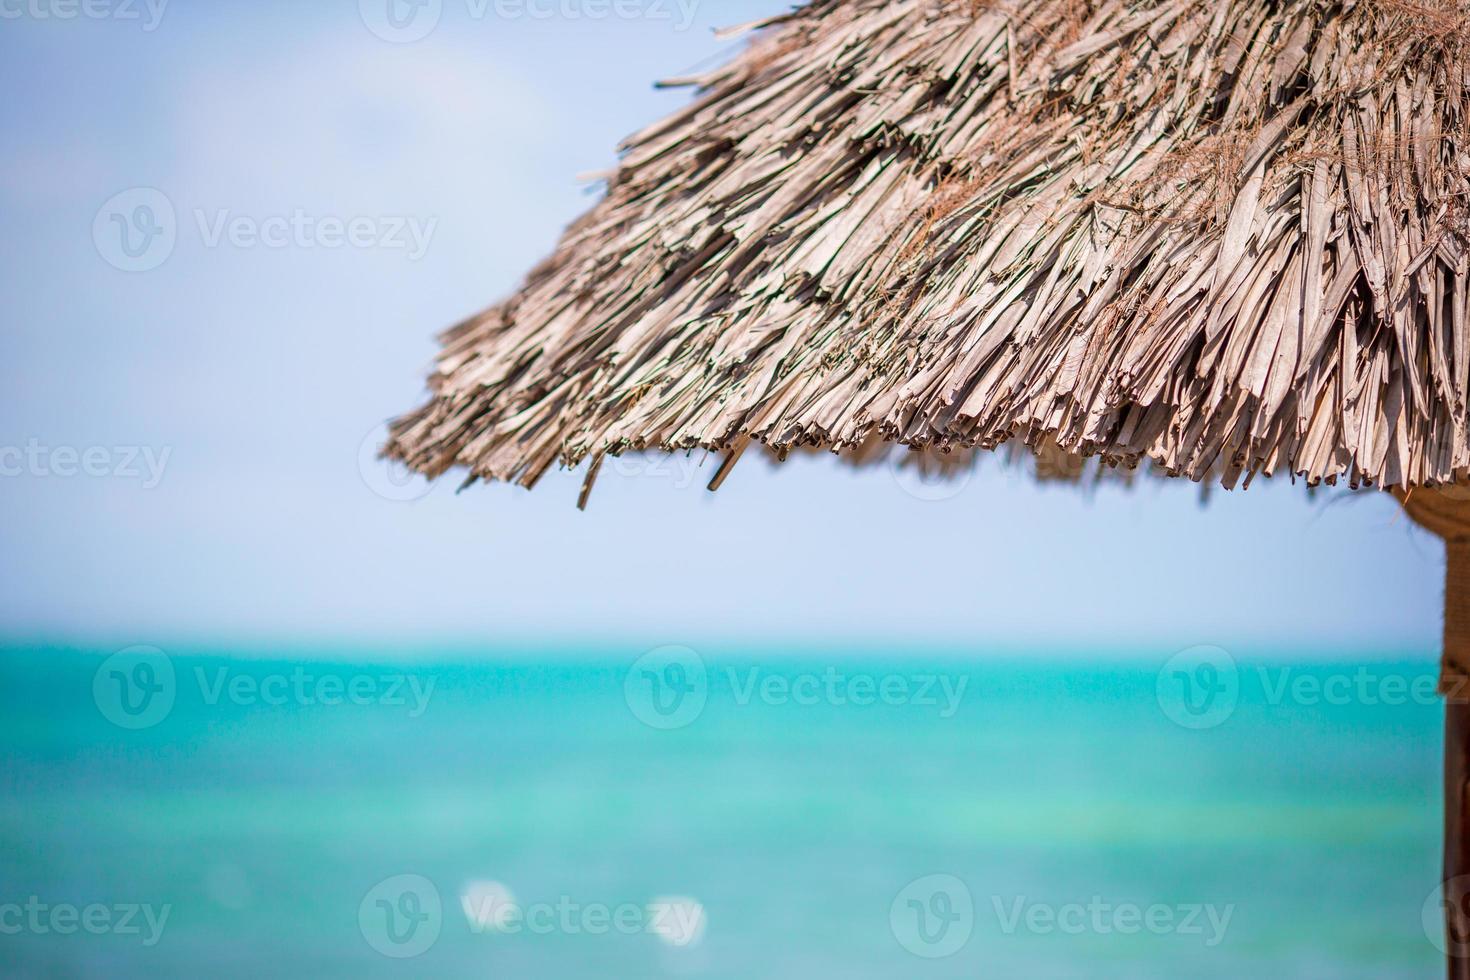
[1228, 237]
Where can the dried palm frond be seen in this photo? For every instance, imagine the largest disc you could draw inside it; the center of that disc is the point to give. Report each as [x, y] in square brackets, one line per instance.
[1230, 238]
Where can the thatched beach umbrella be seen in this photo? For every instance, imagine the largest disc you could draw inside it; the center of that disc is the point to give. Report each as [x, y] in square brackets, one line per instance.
[1228, 239]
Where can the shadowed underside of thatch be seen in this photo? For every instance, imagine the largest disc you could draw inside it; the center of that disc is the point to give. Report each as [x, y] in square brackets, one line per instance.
[1226, 237]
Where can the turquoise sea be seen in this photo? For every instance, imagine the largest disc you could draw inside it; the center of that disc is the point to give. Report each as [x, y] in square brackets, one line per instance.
[304, 818]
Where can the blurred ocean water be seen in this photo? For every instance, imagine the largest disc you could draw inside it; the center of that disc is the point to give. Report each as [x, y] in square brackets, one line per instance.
[723, 817]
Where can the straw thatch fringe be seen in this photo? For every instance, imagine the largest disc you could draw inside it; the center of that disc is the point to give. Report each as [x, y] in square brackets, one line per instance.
[1227, 237]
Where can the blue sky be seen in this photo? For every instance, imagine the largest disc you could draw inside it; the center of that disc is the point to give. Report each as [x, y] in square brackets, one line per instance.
[253, 376]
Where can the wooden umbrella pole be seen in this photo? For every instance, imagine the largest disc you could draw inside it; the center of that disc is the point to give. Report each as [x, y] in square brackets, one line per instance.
[1447, 514]
[1456, 837]
[1456, 756]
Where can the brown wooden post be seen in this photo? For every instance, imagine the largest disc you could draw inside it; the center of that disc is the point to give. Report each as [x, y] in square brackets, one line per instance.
[1456, 896]
[1447, 514]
